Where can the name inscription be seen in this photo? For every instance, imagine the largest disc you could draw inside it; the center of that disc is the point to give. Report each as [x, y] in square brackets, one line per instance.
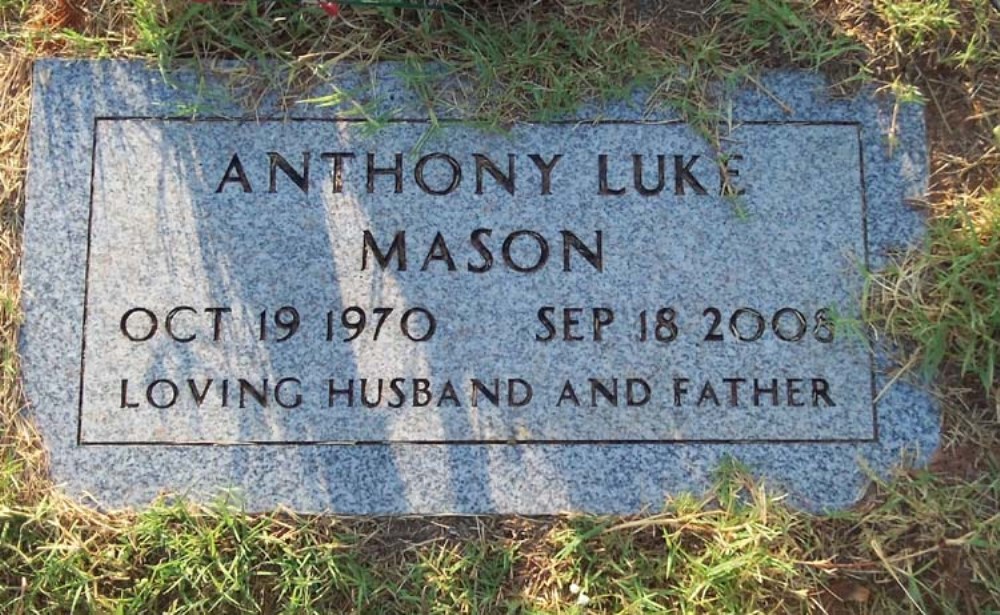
[308, 282]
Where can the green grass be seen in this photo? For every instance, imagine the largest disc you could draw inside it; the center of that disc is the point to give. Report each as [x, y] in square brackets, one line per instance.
[926, 542]
[742, 552]
[945, 298]
[523, 63]
[789, 27]
[916, 22]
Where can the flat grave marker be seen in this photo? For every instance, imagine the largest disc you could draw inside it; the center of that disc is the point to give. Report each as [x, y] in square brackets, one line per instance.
[585, 314]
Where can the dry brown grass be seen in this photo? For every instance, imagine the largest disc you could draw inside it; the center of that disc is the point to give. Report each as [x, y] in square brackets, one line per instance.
[21, 447]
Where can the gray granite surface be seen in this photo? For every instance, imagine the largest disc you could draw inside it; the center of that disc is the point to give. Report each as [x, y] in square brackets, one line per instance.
[137, 211]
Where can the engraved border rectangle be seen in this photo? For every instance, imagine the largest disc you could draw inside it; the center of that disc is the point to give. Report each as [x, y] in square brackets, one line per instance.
[516, 442]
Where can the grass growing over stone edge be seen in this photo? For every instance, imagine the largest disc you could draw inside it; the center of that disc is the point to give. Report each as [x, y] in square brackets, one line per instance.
[926, 542]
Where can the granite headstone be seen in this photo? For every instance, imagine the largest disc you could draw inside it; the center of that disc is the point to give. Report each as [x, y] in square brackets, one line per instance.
[422, 316]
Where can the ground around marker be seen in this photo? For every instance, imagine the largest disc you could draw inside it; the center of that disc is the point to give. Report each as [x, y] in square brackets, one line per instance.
[924, 542]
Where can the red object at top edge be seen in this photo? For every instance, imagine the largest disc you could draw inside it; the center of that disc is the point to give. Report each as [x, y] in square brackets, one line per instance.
[330, 8]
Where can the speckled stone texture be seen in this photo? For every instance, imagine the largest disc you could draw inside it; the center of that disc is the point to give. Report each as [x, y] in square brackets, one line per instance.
[128, 210]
